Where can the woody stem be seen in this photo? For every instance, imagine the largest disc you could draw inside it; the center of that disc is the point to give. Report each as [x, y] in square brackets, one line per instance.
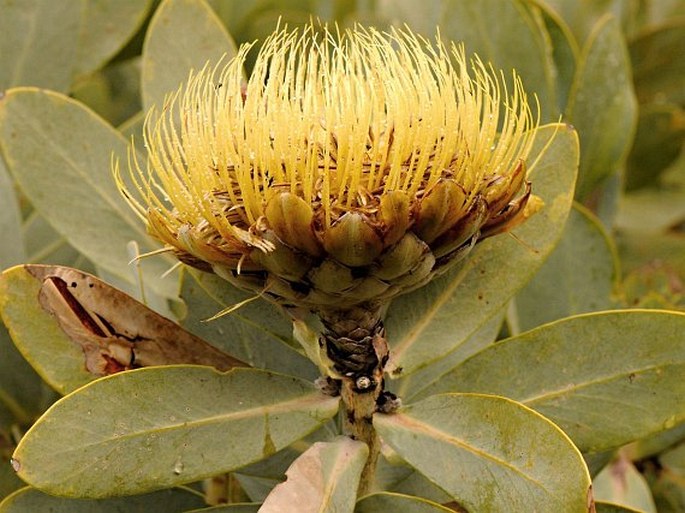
[359, 408]
[355, 343]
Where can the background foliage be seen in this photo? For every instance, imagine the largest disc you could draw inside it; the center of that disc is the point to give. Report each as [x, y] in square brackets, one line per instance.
[611, 68]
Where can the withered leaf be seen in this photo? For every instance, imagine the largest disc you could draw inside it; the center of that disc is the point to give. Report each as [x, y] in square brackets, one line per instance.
[115, 331]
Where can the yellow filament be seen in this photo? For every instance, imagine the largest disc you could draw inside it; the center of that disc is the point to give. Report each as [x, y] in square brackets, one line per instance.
[331, 117]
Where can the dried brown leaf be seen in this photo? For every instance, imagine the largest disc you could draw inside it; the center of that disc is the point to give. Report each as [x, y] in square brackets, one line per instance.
[115, 331]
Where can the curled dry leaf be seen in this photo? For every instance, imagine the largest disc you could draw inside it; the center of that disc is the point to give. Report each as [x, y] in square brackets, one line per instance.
[115, 331]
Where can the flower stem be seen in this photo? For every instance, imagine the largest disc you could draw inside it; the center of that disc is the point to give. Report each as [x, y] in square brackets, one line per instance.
[358, 424]
[355, 343]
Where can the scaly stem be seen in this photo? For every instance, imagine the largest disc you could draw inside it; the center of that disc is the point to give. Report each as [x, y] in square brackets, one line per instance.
[355, 343]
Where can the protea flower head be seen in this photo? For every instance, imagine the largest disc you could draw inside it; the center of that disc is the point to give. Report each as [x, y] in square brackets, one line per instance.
[349, 168]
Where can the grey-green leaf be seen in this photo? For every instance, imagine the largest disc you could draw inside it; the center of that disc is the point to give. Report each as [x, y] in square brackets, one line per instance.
[30, 500]
[607, 507]
[45, 245]
[602, 105]
[12, 251]
[491, 454]
[674, 459]
[37, 335]
[578, 276]
[258, 332]
[21, 388]
[658, 66]
[38, 42]
[565, 52]
[651, 210]
[434, 320]
[386, 502]
[229, 508]
[622, 484]
[505, 33]
[405, 479]
[69, 180]
[324, 479]
[107, 26]
[582, 15]
[606, 378]
[9, 482]
[157, 427]
[113, 91]
[410, 386]
[255, 487]
[183, 35]
[658, 143]
[653, 445]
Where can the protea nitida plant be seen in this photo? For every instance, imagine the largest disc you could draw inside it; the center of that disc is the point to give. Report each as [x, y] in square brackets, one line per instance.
[348, 169]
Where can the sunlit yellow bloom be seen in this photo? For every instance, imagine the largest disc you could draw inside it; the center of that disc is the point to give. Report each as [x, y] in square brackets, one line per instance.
[349, 168]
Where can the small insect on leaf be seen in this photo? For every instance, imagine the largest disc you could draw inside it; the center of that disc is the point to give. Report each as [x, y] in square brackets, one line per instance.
[115, 331]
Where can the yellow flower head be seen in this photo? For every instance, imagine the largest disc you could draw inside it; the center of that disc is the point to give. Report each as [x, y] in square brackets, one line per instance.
[350, 167]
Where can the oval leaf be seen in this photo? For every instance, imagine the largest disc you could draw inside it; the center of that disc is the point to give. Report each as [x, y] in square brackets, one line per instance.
[582, 15]
[183, 35]
[434, 320]
[170, 501]
[520, 41]
[38, 42]
[651, 210]
[385, 501]
[665, 254]
[658, 143]
[594, 375]
[607, 507]
[409, 481]
[45, 245]
[410, 386]
[658, 67]
[158, 427]
[229, 508]
[324, 479]
[602, 105]
[653, 445]
[107, 26]
[674, 459]
[491, 454]
[565, 52]
[578, 276]
[69, 181]
[260, 332]
[9, 482]
[22, 393]
[12, 251]
[622, 484]
[37, 334]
